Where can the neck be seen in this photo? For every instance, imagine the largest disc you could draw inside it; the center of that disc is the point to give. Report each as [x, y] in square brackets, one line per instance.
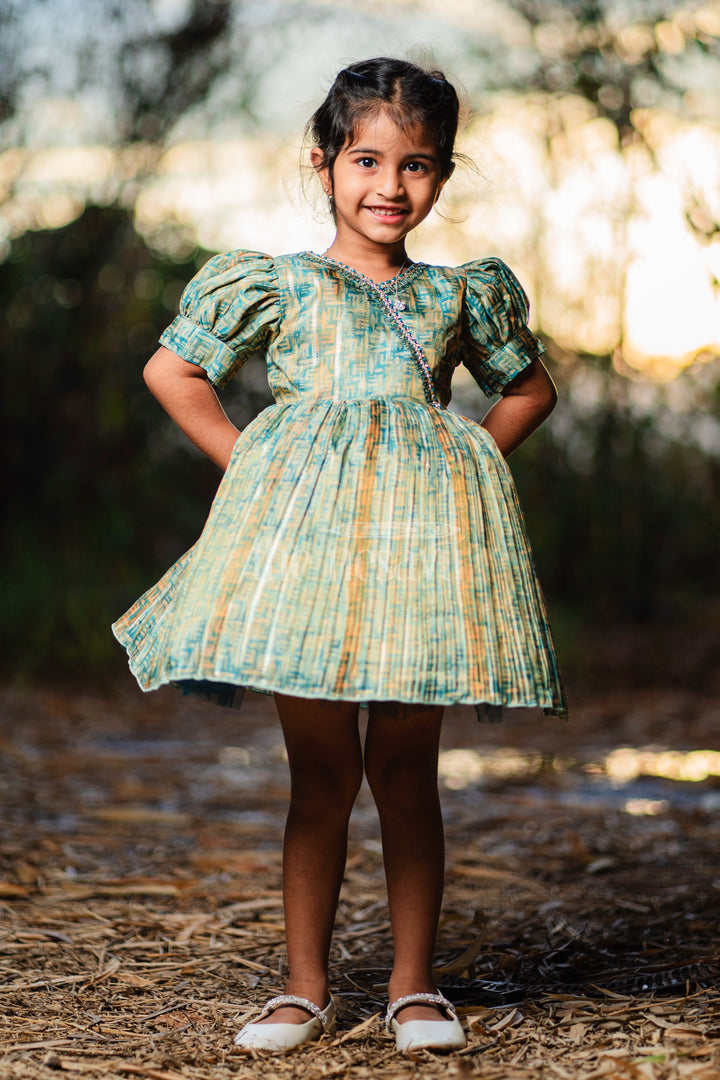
[378, 262]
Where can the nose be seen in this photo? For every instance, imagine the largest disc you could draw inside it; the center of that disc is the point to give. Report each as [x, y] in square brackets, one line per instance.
[390, 184]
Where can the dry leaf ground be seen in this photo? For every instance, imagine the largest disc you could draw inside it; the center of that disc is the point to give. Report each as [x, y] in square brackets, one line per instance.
[141, 907]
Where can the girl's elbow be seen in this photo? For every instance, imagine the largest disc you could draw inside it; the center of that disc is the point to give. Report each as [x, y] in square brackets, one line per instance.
[165, 368]
[151, 371]
[147, 375]
[546, 394]
[155, 381]
[550, 397]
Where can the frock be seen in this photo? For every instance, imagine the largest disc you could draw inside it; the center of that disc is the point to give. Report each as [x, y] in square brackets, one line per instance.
[365, 543]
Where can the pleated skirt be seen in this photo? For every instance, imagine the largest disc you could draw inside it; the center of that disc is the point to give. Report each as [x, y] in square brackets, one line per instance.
[364, 549]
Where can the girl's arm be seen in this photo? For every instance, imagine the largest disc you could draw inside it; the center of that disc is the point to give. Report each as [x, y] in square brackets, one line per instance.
[183, 390]
[526, 401]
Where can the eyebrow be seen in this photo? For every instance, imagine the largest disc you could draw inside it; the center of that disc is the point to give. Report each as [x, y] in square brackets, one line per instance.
[370, 150]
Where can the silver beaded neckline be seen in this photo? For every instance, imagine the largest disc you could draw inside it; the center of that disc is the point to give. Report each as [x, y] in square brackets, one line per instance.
[402, 278]
[377, 289]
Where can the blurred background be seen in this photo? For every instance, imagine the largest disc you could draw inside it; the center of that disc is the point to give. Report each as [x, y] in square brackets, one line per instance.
[139, 138]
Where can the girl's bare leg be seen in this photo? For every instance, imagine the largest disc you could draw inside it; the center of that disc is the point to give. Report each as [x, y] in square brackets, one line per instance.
[326, 769]
[401, 757]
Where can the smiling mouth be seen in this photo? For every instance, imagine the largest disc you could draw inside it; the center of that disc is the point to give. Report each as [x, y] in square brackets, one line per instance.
[387, 211]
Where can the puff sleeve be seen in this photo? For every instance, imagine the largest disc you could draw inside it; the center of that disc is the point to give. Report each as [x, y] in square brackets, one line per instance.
[497, 342]
[229, 310]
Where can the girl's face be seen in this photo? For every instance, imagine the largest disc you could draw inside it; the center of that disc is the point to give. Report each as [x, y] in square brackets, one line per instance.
[384, 182]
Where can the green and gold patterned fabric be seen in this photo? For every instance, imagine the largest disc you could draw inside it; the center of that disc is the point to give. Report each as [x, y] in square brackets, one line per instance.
[366, 542]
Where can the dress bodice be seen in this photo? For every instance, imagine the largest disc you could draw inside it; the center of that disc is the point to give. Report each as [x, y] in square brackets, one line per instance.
[326, 331]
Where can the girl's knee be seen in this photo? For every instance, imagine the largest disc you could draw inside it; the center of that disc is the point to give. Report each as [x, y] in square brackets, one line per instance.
[403, 783]
[401, 755]
[322, 789]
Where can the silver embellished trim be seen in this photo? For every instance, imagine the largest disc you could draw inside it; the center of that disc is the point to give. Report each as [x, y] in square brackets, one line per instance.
[401, 279]
[301, 1002]
[376, 289]
[418, 999]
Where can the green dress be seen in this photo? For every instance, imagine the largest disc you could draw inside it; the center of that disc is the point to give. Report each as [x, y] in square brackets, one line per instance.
[366, 542]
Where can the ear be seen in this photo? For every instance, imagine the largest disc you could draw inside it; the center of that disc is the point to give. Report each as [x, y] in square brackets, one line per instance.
[316, 160]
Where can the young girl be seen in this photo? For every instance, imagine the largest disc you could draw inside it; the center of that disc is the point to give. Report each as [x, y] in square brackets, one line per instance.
[365, 546]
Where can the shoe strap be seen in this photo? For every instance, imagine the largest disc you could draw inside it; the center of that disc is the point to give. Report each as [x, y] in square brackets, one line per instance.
[302, 1003]
[418, 999]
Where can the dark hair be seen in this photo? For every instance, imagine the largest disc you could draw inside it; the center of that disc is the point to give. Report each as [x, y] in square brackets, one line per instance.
[412, 96]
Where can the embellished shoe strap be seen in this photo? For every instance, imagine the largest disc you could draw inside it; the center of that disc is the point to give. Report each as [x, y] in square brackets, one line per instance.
[301, 1002]
[418, 999]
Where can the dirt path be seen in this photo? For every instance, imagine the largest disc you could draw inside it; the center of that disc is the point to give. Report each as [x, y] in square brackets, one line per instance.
[142, 918]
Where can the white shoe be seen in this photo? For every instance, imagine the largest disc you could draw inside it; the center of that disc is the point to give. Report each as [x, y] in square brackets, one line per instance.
[283, 1037]
[442, 1035]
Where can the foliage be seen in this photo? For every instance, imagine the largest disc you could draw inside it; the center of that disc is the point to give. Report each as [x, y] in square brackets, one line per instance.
[149, 71]
[622, 503]
[103, 492]
[151, 64]
[621, 56]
